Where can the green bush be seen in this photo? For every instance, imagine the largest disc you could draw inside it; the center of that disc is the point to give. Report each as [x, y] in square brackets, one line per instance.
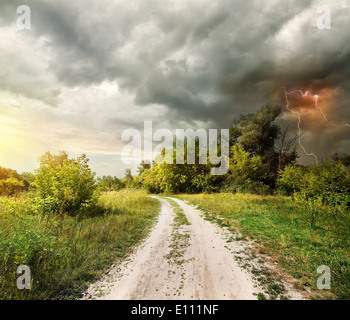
[109, 183]
[11, 183]
[291, 180]
[10, 186]
[67, 184]
[245, 165]
[328, 182]
[237, 184]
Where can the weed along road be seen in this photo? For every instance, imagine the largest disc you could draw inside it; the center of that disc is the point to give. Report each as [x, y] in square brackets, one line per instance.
[186, 256]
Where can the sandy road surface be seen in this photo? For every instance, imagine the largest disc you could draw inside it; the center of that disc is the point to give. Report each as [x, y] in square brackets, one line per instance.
[205, 268]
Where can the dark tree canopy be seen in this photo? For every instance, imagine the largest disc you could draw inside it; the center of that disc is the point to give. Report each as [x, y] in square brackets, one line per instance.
[257, 132]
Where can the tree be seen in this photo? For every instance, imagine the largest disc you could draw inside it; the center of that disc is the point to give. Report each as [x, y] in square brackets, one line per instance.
[343, 158]
[258, 131]
[10, 186]
[6, 173]
[144, 165]
[285, 149]
[130, 181]
[328, 181]
[69, 183]
[109, 183]
[291, 179]
[11, 182]
[245, 165]
[165, 176]
[261, 136]
[27, 178]
[128, 175]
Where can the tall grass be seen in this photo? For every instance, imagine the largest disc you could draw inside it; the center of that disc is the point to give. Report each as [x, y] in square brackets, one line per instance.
[66, 252]
[299, 235]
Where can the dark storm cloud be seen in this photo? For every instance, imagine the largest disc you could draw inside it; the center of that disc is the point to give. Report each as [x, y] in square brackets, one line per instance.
[202, 60]
[86, 38]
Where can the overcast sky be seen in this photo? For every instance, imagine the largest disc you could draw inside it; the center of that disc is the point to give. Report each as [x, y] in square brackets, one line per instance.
[88, 69]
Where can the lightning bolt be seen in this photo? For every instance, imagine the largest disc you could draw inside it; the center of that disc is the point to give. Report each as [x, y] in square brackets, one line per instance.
[324, 116]
[317, 107]
[299, 118]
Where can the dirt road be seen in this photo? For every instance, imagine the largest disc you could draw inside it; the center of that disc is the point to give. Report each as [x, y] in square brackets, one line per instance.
[195, 260]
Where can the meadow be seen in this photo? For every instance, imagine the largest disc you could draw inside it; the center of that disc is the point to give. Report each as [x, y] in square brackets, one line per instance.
[300, 236]
[67, 252]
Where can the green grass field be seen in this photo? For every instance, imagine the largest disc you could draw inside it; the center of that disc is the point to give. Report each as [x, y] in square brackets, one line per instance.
[298, 236]
[65, 253]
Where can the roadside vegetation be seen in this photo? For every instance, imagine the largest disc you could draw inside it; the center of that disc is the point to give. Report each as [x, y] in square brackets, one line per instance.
[67, 251]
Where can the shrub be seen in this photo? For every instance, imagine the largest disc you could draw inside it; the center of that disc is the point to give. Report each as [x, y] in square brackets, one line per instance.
[328, 182]
[290, 180]
[237, 184]
[69, 184]
[245, 165]
[10, 186]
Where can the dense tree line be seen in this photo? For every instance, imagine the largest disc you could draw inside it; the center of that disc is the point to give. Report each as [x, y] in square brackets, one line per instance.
[262, 159]
[259, 150]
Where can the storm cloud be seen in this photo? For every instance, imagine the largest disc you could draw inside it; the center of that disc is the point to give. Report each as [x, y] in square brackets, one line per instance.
[180, 63]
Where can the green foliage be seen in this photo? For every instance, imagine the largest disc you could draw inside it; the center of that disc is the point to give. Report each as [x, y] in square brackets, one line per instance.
[259, 135]
[291, 179]
[10, 186]
[169, 177]
[6, 173]
[188, 178]
[64, 253]
[254, 160]
[258, 131]
[151, 180]
[130, 181]
[247, 166]
[326, 179]
[144, 165]
[11, 182]
[109, 183]
[343, 158]
[236, 184]
[246, 173]
[27, 178]
[328, 182]
[69, 183]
